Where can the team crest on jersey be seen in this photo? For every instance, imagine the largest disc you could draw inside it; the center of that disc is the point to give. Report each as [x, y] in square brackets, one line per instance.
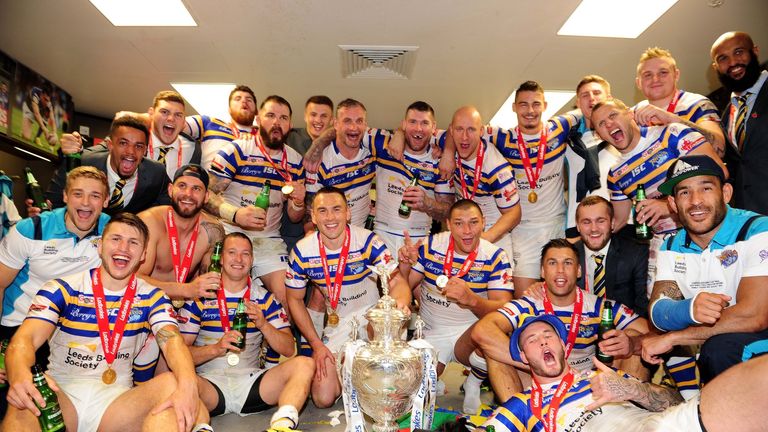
[210, 302]
[586, 331]
[728, 257]
[94, 243]
[658, 159]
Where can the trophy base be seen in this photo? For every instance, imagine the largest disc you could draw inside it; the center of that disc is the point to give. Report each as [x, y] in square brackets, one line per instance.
[385, 427]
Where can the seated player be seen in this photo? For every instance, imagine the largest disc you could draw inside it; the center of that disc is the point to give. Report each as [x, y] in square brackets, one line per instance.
[231, 379]
[93, 338]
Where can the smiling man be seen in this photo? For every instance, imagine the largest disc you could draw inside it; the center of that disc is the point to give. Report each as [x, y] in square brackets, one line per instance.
[166, 144]
[711, 275]
[136, 183]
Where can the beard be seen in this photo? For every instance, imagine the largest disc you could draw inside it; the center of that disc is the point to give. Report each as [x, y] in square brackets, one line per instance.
[718, 215]
[242, 119]
[185, 213]
[751, 75]
[274, 144]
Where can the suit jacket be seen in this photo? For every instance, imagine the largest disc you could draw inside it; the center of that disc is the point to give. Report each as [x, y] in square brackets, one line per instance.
[747, 168]
[151, 189]
[626, 272]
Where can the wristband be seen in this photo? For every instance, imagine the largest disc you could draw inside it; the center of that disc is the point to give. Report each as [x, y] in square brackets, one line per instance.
[228, 212]
[671, 315]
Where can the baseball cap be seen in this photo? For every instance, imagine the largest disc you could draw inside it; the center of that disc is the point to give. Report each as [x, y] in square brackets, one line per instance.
[687, 167]
[524, 322]
[192, 170]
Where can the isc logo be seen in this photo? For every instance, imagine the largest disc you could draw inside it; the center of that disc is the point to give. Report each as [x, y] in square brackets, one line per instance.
[638, 170]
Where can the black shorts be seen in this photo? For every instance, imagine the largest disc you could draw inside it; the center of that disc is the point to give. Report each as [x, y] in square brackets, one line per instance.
[253, 403]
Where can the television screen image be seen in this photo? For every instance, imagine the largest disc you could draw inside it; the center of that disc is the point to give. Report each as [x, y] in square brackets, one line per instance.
[7, 66]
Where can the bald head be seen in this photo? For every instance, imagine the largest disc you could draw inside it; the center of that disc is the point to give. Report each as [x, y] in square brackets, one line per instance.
[466, 129]
[742, 37]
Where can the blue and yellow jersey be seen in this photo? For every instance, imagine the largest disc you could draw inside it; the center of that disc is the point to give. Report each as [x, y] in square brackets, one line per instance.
[76, 349]
[491, 271]
[393, 176]
[202, 319]
[242, 162]
[586, 340]
[648, 162]
[353, 176]
[550, 184]
[692, 107]
[213, 134]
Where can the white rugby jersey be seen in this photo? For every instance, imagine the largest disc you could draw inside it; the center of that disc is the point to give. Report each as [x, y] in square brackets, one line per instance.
[213, 135]
[242, 162]
[490, 272]
[76, 349]
[692, 107]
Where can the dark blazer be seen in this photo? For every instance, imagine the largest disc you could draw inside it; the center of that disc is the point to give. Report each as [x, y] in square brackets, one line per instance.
[748, 167]
[151, 190]
[626, 274]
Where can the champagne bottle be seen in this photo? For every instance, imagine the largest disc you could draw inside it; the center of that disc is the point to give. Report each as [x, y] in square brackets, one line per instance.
[240, 323]
[34, 192]
[262, 201]
[606, 324]
[405, 209]
[50, 419]
[642, 230]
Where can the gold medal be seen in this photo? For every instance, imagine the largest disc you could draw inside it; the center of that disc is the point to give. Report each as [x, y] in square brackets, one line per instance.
[233, 359]
[109, 376]
[333, 319]
[532, 197]
[287, 189]
[177, 304]
[441, 281]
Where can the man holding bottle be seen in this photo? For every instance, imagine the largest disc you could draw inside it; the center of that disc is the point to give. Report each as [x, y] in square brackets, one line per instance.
[227, 358]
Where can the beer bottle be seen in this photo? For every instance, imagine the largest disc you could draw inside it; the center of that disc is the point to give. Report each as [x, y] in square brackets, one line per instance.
[50, 418]
[215, 265]
[240, 323]
[490, 428]
[262, 201]
[370, 221]
[34, 192]
[642, 230]
[606, 324]
[405, 209]
[73, 160]
[3, 347]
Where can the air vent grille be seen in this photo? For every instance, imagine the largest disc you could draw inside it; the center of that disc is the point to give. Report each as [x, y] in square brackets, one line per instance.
[378, 62]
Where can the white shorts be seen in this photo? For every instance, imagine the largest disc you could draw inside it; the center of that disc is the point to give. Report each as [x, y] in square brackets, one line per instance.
[444, 340]
[395, 241]
[91, 399]
[335, 337]
[527, 241]
[145, 362]
[269, 255]
[235, 386]
[27, 112]
[679, 418]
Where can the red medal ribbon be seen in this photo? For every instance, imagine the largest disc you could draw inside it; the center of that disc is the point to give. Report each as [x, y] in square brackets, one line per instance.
[283, 170]
[533, 175]
[221, 300]
[181, 266]
[575, 318]
[550, 420]
[236, 130]
[673, 102]
[477, 175]
[110, 341]
[448, 261]
[152, 148]
[334, 291]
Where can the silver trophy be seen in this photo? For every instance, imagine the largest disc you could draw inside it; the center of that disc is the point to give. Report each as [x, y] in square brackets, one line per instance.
[386, 372]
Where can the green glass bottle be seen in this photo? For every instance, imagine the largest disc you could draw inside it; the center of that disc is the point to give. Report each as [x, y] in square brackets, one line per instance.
[3, 347]
[215, 265]
[240, 323]
[606, 324]
[490, 428]
[405, 209]
[262, 201]
[34, 192]
[50, 419]
[643, 231]
[73, 160]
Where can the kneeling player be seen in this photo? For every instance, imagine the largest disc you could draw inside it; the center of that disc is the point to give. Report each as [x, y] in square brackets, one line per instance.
[232, 381]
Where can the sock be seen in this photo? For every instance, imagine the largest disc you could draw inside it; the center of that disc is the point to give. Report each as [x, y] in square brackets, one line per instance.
[286, 417]
[683, 372]
[478, 373]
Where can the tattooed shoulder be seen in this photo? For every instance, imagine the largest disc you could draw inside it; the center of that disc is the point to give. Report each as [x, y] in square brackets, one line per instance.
[213, 230]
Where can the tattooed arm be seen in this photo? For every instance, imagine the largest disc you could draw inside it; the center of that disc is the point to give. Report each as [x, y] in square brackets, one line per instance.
[608, 387]
[215, 233]
[184, 400]
[248, 216]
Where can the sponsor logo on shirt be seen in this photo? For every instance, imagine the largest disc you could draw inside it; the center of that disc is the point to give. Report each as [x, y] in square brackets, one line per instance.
[680, 266]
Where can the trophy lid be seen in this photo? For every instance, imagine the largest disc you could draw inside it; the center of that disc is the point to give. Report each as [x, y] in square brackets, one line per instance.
[384, 310]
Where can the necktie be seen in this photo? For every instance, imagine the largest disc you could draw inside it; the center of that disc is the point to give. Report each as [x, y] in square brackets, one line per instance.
[741, 120]
[163, 151]
[116, 200]
[599, 282]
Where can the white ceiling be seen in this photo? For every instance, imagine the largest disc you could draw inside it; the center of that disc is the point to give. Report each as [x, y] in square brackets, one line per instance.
[470, 52]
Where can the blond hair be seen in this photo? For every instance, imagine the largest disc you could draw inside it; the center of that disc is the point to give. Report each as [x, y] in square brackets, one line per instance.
[655, 52]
